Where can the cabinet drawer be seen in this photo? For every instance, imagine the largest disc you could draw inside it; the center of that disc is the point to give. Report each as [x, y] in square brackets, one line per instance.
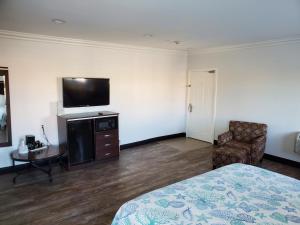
[105, 135]
[107, 144]
[107, 150]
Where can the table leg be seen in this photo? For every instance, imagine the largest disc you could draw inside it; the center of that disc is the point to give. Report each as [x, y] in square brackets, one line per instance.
[62, 164]
[14, 168]
[17, 171]
[48, 172]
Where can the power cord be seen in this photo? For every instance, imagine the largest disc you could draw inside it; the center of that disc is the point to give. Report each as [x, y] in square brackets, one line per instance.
[45, 136]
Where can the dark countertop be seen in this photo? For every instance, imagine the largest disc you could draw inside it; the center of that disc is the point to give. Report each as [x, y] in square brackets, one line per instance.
[88, 114]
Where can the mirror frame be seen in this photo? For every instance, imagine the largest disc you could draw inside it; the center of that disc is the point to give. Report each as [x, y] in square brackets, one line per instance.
[8, 120]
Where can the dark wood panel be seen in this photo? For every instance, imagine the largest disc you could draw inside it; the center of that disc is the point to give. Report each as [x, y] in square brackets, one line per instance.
[107, 151]
[4, 71]
[85, 144]
[107, 135]
[107, 144]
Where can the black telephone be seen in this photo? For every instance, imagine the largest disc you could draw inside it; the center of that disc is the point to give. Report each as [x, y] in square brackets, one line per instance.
[32, 143]
[35, 144]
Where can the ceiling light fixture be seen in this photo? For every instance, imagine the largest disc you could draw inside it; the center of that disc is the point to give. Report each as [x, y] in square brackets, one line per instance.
[58, 21]
[174, 42]
[148, 35]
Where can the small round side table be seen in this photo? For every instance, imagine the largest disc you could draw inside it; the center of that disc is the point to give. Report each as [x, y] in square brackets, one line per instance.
[34, 158]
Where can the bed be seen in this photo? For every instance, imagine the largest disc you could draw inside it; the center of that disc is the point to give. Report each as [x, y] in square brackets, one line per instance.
[235, 194]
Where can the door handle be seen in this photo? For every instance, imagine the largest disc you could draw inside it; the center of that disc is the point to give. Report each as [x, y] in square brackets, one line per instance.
[190, 108]
[107, 145]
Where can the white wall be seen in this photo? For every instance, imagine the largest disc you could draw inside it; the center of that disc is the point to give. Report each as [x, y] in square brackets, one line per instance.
[261, 85]
[147, 87]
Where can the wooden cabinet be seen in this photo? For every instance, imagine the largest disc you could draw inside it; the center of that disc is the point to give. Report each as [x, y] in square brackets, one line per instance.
[89, 136]
[107, 144]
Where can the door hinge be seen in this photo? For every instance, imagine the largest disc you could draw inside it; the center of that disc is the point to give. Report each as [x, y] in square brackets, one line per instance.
[190, 107]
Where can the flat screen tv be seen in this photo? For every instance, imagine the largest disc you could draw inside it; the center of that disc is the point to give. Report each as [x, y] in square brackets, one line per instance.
[82, 92]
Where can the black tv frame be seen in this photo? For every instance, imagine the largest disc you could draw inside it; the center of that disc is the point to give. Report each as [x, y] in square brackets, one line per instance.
[84, 105]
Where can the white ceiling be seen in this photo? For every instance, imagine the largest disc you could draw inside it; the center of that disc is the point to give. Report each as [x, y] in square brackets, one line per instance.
[196, 23]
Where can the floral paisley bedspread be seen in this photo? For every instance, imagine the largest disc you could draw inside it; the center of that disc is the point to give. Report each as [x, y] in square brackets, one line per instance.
[234, 194]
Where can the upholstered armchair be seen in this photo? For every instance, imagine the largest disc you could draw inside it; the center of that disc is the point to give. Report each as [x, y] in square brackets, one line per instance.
[247, 136]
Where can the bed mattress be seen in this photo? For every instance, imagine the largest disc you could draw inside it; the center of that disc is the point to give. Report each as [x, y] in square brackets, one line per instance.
[235, 194]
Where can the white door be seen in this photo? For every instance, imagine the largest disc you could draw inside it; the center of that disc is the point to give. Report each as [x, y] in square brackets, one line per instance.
[201, 105]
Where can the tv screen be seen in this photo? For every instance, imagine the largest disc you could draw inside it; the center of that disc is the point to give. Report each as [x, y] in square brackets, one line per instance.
[80, 92]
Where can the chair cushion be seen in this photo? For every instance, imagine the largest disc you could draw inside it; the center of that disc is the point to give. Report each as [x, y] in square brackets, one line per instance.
[224, 156]
[239, 145]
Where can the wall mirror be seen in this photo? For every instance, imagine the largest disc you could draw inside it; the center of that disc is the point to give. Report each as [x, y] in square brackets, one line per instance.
[5, 123]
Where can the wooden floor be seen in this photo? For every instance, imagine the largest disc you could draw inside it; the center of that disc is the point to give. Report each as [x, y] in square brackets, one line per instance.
[93, 194]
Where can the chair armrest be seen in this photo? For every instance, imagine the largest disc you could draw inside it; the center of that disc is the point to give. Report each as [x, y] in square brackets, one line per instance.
[258, 141]
[224, 138]
[258, 148]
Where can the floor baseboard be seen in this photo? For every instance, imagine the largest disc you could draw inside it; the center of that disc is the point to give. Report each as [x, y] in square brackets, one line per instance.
[20, 167]
[289, 162]
[161, 138]
[282, 160]
[276, 158]
[23, 166]
[10, 169]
